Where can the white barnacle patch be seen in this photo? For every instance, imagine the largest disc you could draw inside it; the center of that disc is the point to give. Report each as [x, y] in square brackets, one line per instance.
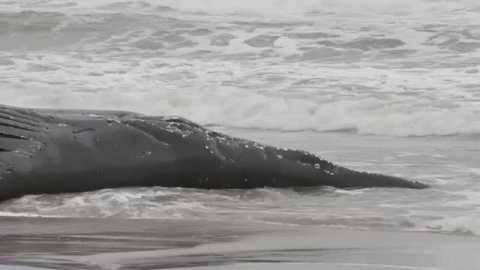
[246, 146]
[206, 147]
[317, 166]
[256, 145]
[35, 145]
[113, 120]
[328, 172]
[173, 128]
[23, 153]
[259, 146]
[62, 125]
[280, 156]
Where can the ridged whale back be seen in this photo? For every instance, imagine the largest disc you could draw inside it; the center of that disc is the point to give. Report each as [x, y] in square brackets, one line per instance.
[75, 151]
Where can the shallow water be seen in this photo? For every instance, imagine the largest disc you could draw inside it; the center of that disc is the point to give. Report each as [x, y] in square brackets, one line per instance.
[449, 206]
[387, 86]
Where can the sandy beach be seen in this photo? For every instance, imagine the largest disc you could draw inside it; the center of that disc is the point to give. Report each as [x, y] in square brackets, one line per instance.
[119, 244]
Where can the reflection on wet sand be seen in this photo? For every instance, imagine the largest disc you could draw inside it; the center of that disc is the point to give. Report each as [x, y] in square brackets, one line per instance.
[148, 244]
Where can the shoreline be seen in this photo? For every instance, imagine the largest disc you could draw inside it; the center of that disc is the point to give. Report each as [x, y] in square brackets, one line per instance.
[148, 244]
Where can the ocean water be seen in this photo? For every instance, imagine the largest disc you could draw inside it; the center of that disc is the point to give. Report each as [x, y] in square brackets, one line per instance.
[390, 86]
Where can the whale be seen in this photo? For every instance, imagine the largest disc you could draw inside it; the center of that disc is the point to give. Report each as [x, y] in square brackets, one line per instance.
[48, 151]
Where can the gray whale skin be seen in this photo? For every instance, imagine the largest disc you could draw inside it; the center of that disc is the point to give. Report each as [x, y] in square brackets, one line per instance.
[60, 151]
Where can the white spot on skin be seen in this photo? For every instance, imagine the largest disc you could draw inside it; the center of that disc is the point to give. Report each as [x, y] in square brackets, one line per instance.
[328, 172]
[246, 180]
[317, 166]
[280, 156]
[246, 146]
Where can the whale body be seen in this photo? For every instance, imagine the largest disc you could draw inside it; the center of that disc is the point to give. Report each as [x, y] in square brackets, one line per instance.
[60, 151]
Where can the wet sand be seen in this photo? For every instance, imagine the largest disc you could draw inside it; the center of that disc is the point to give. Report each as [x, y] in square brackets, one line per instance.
[154, 244]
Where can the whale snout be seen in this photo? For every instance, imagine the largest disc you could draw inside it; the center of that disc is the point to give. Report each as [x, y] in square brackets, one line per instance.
[349, 178]
[381, 180]
[419, 185]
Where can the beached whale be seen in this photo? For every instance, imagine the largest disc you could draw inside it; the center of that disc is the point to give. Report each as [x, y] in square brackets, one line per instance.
[58, 151]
